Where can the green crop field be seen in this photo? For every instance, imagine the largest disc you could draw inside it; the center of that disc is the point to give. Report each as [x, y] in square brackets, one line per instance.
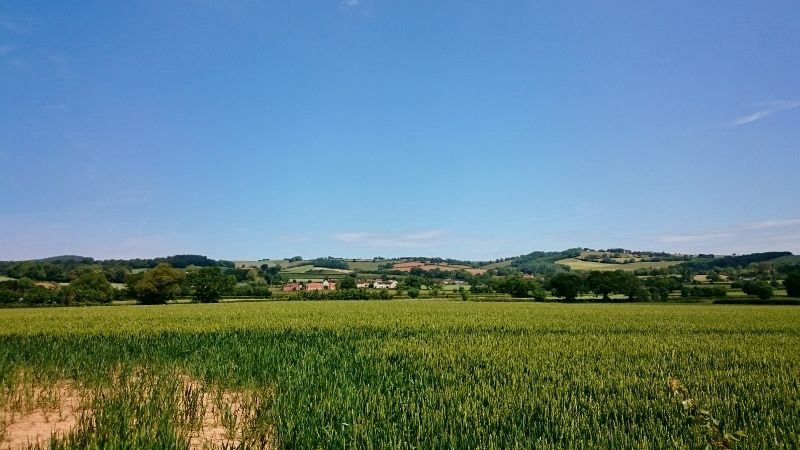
[403, 374]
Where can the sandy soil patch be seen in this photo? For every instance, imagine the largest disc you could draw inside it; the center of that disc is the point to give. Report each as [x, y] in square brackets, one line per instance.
[34, 414]
[224, 416]
[208, 417]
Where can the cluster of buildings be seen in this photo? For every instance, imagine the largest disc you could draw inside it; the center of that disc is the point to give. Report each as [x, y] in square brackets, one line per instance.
[310, 286]
[331, 285]
[383, 284]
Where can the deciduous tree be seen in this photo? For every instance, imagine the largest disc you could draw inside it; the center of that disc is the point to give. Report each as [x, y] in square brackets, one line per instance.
[210, 284]
[566, 285]
[156, 286]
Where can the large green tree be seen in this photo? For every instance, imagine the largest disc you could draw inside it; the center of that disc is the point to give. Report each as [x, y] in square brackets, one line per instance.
[347, 282]
[792, 283]
[759, 288]
[156, 286]
[209, 284]
[91, 286]
[520, 287]
[566, 285]
[601, 283]
[627, 283]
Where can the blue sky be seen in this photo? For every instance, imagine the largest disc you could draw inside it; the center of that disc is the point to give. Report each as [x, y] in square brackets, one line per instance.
[246, 129]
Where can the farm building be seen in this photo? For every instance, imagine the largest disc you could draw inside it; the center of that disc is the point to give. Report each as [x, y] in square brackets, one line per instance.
[314, 287]
[363, 284]
[388, 284]
[292, 287]
[454, 282]
[324, 286]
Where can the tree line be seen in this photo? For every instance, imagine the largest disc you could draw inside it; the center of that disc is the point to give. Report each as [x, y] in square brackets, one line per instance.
[158, 285]
[68, 268]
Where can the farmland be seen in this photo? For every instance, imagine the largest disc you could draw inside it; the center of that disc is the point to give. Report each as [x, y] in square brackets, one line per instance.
[407, 266]
[579, 264]
[403, 374]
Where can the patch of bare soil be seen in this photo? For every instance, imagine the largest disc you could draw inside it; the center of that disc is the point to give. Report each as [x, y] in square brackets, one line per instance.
[208, 417]
[34, 414]
[224, 416]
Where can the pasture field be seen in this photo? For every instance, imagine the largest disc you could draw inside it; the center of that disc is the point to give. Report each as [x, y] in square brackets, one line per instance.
[269, 262]
[365, 266]
[313, 270]
[298, 269]
[579, 264]
[498, 265]
[406, 266]
[402, 374]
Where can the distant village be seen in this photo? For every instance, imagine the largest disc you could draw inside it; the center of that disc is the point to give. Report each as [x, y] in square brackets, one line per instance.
[329, 285]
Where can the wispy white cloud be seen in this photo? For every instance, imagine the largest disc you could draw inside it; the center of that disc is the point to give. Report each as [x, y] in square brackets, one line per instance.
[293, 238]
[757, 236]
[405, 240]
[765, 109]
[350, 3]
[123, 198]
[678, 238]
[11, 25]
[58, 62]
[771, 224]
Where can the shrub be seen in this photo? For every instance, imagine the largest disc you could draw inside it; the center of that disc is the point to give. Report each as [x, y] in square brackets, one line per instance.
[704, 291]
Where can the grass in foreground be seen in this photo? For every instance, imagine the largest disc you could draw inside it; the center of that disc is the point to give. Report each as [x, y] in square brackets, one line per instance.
[412, 374]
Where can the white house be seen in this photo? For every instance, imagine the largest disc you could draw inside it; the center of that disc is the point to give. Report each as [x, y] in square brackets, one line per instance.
[388, 284]
[363, 284]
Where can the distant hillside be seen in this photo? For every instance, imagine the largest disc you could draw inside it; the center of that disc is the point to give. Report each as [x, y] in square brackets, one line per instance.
[537, 262]
[66, 258]
[736, 261]
[786, 260]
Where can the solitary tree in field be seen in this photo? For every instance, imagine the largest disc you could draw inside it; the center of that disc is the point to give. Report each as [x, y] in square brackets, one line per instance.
[210, 284]
[156, 286]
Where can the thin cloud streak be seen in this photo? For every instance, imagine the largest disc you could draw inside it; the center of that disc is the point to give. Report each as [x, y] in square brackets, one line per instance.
[292, 238]
[771, 224]
[11, 25]
[678, 238]
[766, 110]
[784, 232]
[407, 240]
